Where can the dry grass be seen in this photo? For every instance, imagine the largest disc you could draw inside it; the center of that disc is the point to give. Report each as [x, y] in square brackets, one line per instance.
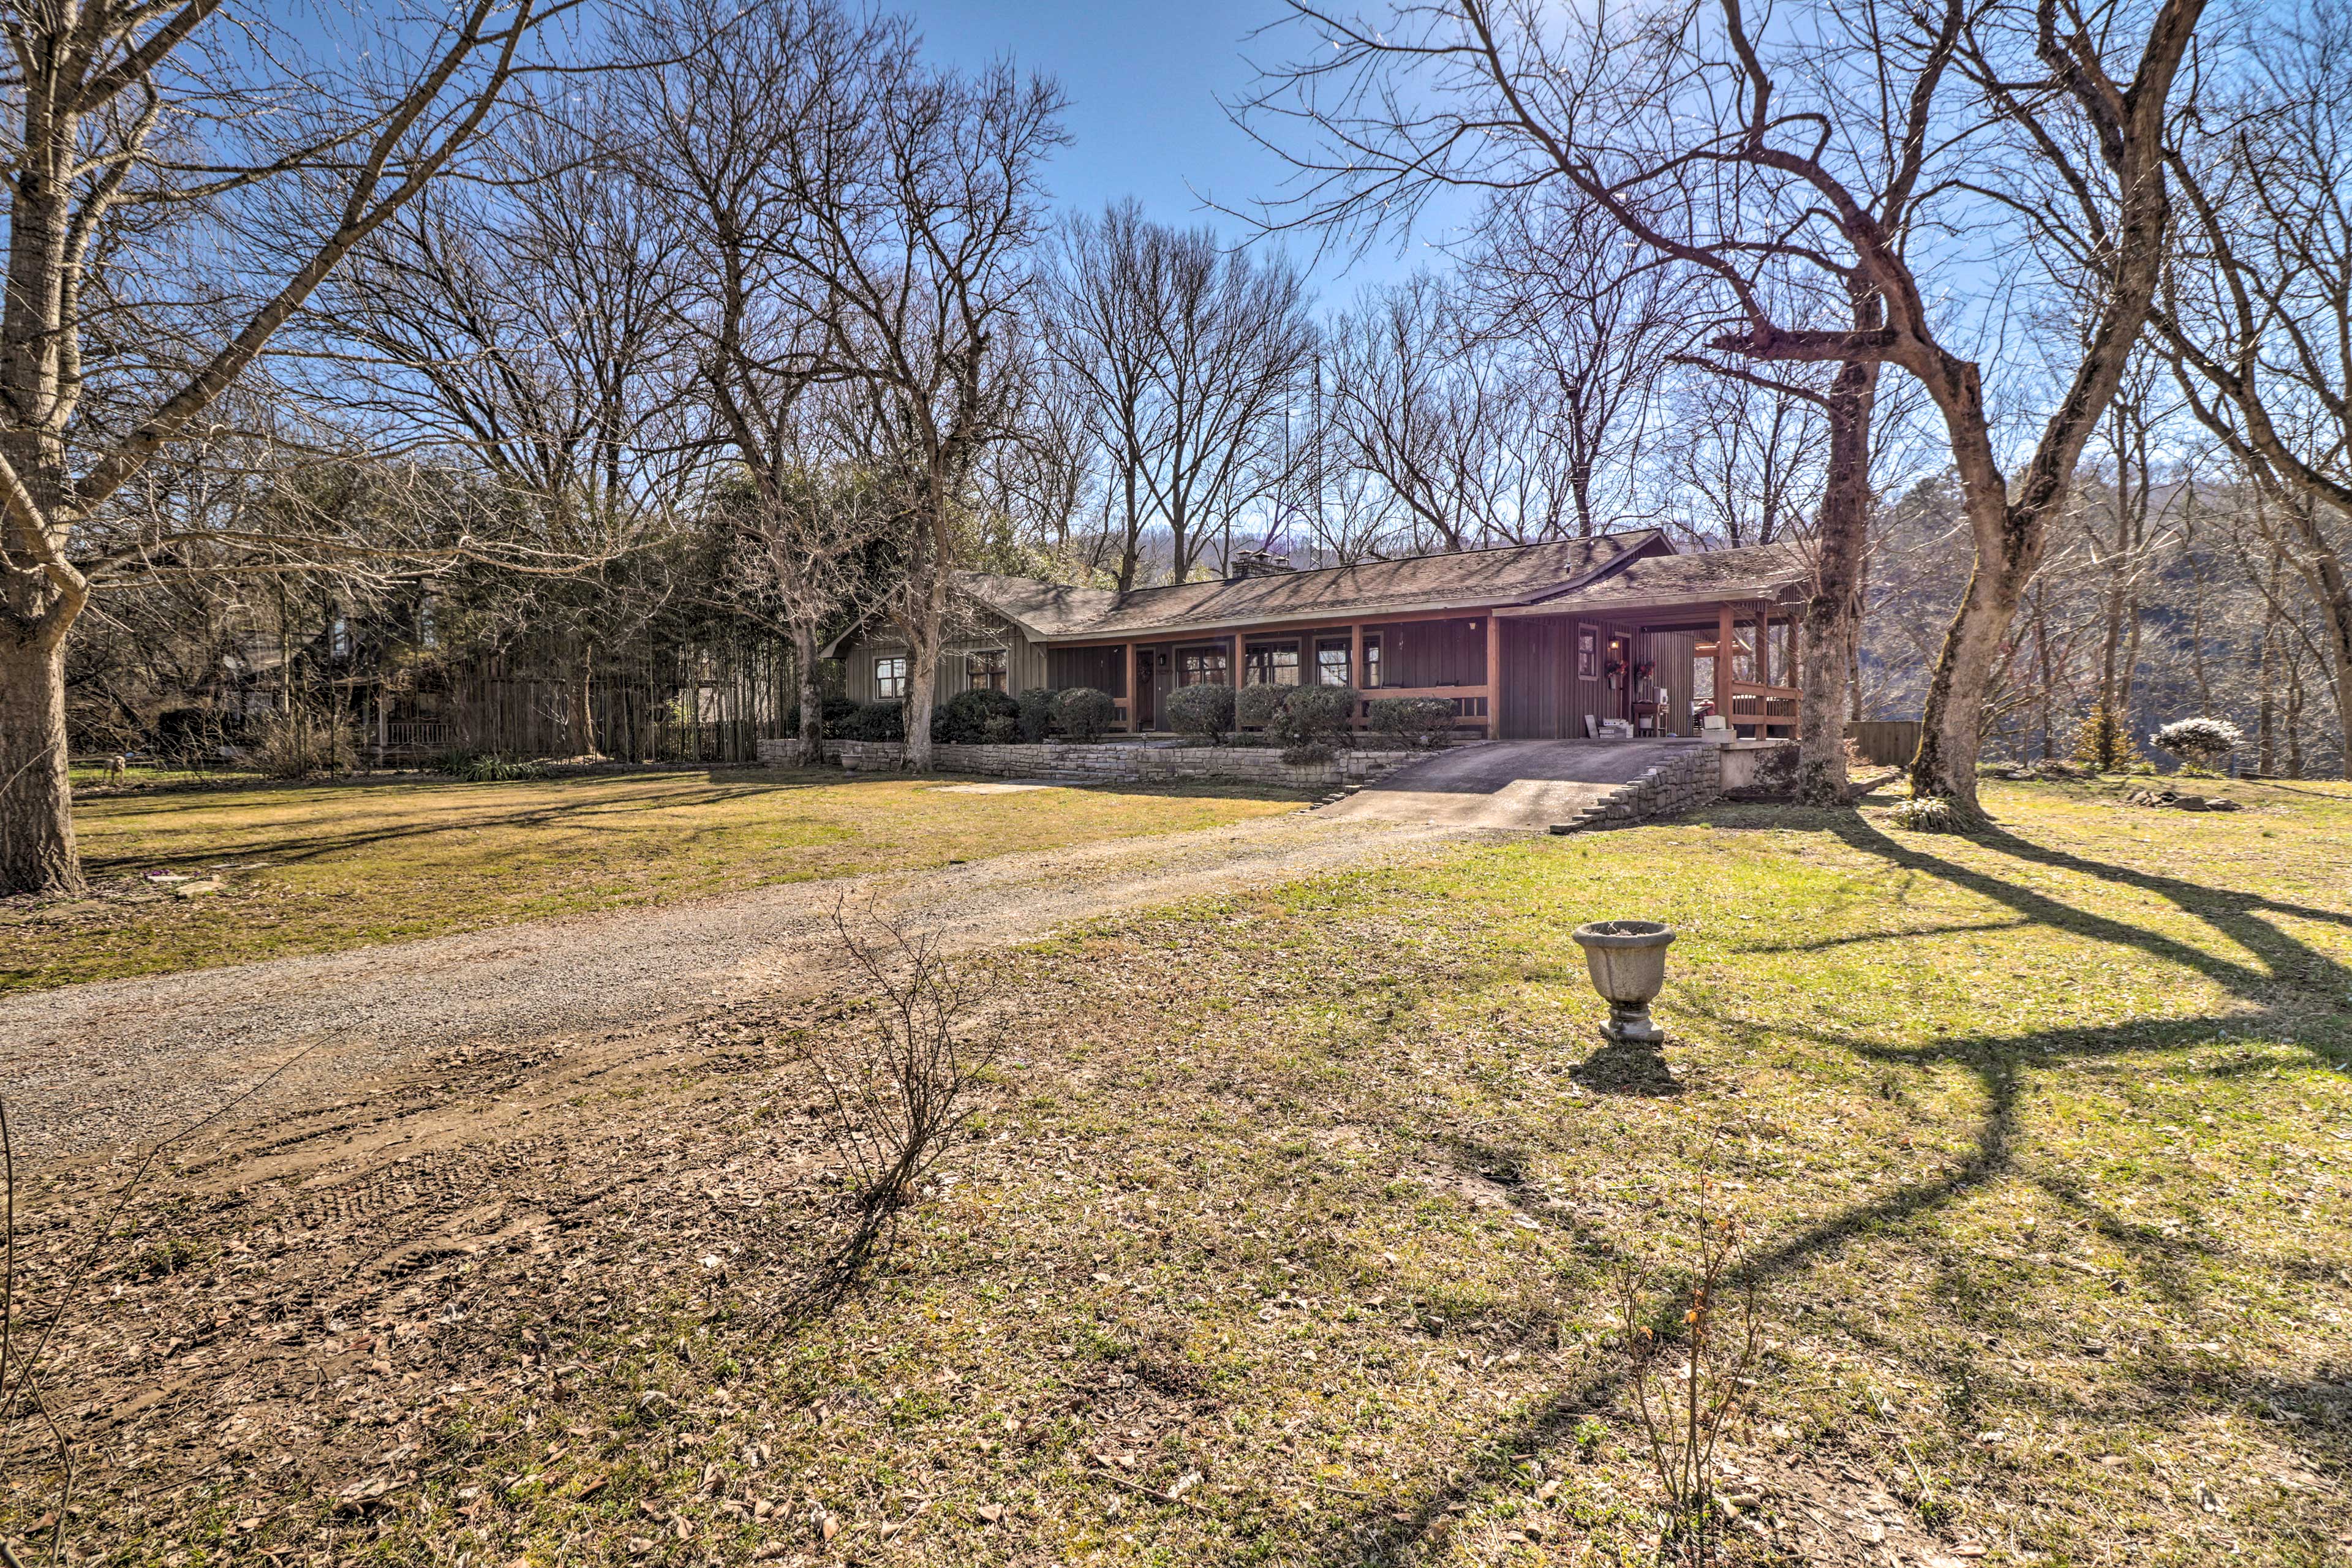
[317, 869]
[1294, 1236]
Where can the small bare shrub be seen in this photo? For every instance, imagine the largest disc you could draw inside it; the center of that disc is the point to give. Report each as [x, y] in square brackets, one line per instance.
[900, 1082]
[300, 741]
[1693, 1377]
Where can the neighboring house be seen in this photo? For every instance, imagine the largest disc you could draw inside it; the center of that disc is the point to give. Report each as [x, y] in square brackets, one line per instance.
[1527, 641]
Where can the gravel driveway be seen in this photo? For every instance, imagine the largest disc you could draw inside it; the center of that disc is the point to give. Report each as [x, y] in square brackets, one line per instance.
[119, 1062]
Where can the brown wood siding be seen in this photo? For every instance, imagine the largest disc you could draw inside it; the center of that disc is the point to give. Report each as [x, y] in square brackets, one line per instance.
[1544, 700]
[1536, 655]
[1432, 653]
[1104, 668]
[1025, 661]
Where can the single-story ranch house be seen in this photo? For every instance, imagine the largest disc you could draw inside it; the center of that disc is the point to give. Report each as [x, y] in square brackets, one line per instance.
[1532, 641]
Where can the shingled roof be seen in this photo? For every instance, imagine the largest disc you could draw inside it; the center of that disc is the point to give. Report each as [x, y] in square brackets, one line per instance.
[1705, 577]
[1466, 580]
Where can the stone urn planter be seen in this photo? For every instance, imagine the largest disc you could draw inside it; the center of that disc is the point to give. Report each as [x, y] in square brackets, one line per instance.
[1628, 960]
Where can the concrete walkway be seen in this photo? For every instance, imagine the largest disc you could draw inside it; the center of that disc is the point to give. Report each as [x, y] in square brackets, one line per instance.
[1524, 785]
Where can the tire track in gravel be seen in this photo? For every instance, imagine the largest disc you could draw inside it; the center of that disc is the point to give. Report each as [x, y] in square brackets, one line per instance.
[116, 1063]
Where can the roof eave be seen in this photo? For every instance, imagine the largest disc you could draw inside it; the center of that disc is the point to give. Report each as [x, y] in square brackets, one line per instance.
[1483, 604]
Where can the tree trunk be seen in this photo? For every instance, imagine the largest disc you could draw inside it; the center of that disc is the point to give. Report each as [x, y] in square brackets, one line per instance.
[926, 630]
[36, 837]
[812, 731]
[581, 720]
[1944, 765]
[1833, 618]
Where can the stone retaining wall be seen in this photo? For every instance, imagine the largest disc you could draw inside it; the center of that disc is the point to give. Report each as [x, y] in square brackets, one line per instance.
[791, 754]
[1687, 780]
[1152, 761]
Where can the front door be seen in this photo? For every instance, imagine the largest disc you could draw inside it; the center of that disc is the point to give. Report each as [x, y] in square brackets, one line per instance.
[1146, 713]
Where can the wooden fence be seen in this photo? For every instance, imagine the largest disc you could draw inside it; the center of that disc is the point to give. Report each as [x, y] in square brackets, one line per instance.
[698, 705]
[1889, 743]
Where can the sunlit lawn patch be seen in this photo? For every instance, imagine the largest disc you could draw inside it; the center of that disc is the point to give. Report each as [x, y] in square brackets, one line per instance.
[313, 869]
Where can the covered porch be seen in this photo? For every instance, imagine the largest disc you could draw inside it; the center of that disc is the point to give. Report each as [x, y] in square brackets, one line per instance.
[1649, 671]
[1451, 657]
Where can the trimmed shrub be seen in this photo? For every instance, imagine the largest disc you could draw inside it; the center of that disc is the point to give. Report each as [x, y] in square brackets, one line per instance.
[2199, 742]
[963, 719]
[1258, 706]
[876, 722]
[1413, 723]
[1317, 716]
[1203, 712]
[1001, 730]
[1037, 713]
[1084, 713]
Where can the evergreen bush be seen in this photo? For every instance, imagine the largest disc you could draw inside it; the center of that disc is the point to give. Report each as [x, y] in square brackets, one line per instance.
[1413, 723]
[1085, 714]
[1203, 712]
[963, 719]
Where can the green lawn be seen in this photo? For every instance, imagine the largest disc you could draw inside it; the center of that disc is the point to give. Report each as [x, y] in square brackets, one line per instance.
[1319, 1196]
[311, 869]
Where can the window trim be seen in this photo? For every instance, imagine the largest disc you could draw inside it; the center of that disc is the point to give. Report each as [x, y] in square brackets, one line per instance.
[1002, 672]
[1588, 651]
[1251, 663]
[1221, 653]
[883, 684]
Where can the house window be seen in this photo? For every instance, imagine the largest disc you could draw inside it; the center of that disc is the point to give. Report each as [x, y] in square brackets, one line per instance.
[1331, 659]
[1371, 661]
[1202, 666]
[890, 678]
[984, 670]
[1588, 653]
[1271, 664]
[339, 639]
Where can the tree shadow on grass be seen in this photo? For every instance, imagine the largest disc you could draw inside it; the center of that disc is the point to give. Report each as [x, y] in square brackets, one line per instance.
[1399, 1534]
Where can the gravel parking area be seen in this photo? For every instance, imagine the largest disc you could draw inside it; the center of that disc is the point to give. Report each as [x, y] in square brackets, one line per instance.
[118, 1064]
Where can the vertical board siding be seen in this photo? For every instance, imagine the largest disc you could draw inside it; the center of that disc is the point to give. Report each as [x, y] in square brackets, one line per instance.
[1432, 653]
[1104, 668]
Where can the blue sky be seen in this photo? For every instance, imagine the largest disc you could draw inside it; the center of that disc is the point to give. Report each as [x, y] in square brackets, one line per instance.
[1144, 80]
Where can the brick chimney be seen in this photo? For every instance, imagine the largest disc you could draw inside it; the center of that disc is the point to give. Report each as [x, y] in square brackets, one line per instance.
[1256, 563]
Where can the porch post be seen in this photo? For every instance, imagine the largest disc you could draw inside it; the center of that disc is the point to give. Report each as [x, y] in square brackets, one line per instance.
[1723, 663]
[1493, 676]
[1134, 690]
[1355, 661]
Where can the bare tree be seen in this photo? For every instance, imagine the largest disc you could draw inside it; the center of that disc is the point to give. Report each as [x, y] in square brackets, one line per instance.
[926, 256]
[1593, 322]
[529, 332]
[1189, 355]
[2256, 316]
[126, 117]
[1789, 173]
[748, 105]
